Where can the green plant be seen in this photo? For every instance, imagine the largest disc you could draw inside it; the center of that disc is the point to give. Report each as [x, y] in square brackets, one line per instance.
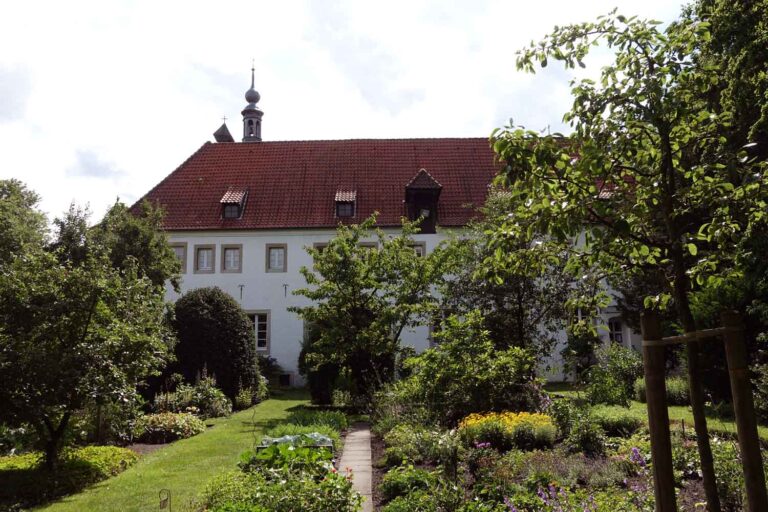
[612, 379]
[587, 437]
[289, 458]
[203, 399]
[166, 427]
[215, 333]
[284, 492]
[289, 429]
[563, 412]
[244, 399]
[26, 482]
[308, 416]
[403, 480]
[616, 423]
[677, 391]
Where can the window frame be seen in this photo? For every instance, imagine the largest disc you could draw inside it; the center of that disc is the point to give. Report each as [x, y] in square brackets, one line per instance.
[237, 207]
[239, 268]
[183, 259]
[198, 248]
[419, 245]
[351, 205]
[612, 333]
[268, 314]
[269, 247]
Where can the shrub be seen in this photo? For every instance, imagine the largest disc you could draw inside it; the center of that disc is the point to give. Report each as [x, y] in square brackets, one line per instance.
[587, 437]
[761, 391]
[399, 403]
[244, 399]
[616, 423]
[305, 416]
[404, 480]
[439, 497]
[166, 427]
[216, 334]
[290, 459]
[563, 413]
[612, 379]
[508, 430]
[288, 429]
[26, 482]
[677, 391]
[465, 373]
[203, 399]
[282, 492]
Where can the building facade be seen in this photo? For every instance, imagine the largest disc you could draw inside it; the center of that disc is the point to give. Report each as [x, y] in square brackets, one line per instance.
[241, 215]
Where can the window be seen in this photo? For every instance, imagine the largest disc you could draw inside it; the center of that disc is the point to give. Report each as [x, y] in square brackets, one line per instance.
[277, 255]
[231, 258]
[231, 211]
[204, 259]
[180, 250]
[345, 209]
[615, 331]
[369, 245]
[420, 248]
[260, 323]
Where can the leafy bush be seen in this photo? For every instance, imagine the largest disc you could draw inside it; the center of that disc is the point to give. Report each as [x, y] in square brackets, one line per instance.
[305, 416]
[397, 404]
[587, 437]
[203, 399]
[288, 458]
[216, 334]
[563, 413]
[612, 379]
[404, 480]
[289, 429]
[244, 399]
[616, 423]
[508, 430]
[15, 440]
[166, 427]
[760, 381]
[26, 482]
[465, 373]
[280, 492]
[677, 391]
[439, 497]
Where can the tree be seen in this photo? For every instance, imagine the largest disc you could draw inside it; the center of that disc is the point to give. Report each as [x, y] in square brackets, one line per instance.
[70, 333]
[22, 225]
[643, 180]
[362, 299]
[215, 336]
[518, 285]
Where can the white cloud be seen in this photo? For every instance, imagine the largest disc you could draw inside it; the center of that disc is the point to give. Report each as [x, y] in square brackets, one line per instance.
[91, 87]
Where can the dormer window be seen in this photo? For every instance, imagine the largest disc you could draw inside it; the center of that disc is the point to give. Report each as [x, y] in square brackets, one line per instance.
[345, 203]
[421, 196]
[233, 203]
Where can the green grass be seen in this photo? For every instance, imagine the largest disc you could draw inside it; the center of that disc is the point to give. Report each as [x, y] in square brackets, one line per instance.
[679, 414]
[183, 467]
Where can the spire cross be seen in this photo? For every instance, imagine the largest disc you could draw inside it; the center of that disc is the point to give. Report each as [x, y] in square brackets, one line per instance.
[224, 119]
[253, 69]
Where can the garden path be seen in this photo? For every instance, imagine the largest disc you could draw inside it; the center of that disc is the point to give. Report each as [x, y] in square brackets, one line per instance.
[356, 458]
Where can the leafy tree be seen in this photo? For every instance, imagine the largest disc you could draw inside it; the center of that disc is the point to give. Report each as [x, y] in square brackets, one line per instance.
[70, 333]
[125, 235]
[518, 284]
[641, 180]
[215, 336]
[22, 225]
[362, 300]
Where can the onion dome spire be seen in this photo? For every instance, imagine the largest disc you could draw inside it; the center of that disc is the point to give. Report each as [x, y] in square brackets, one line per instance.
[251, 113]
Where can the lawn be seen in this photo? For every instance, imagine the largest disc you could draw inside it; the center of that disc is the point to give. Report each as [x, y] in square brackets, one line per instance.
[183, 467]
[677, 413]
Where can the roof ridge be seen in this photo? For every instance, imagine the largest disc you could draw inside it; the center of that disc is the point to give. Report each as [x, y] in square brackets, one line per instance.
[381, 139]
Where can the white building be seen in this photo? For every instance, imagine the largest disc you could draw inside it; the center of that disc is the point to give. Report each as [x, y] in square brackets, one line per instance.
[240, 215]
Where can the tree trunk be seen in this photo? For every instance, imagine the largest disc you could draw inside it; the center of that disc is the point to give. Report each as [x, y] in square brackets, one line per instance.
[53, 444]
[696, 387]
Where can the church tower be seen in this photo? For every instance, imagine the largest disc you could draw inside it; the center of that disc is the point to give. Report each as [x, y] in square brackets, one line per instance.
[252, 114]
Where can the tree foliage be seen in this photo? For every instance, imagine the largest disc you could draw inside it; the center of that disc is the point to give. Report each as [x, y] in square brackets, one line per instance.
[215, 336]
[646, 181]
[71, 334]
[363, 298]
[22, 224]
[517, 284]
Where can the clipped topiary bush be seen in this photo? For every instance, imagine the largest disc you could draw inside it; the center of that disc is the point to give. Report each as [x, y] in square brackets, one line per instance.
[214, 333]
[166, 427]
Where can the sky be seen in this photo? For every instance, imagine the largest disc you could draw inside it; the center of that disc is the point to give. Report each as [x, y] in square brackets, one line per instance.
[101, 100]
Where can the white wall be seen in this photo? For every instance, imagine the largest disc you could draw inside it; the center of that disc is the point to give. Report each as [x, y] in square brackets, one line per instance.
[273, 291]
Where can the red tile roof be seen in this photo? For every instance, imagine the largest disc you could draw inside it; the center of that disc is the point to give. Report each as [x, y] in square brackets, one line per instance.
[424, 180]
[233, 195]
[293, 184]
[346, 196]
